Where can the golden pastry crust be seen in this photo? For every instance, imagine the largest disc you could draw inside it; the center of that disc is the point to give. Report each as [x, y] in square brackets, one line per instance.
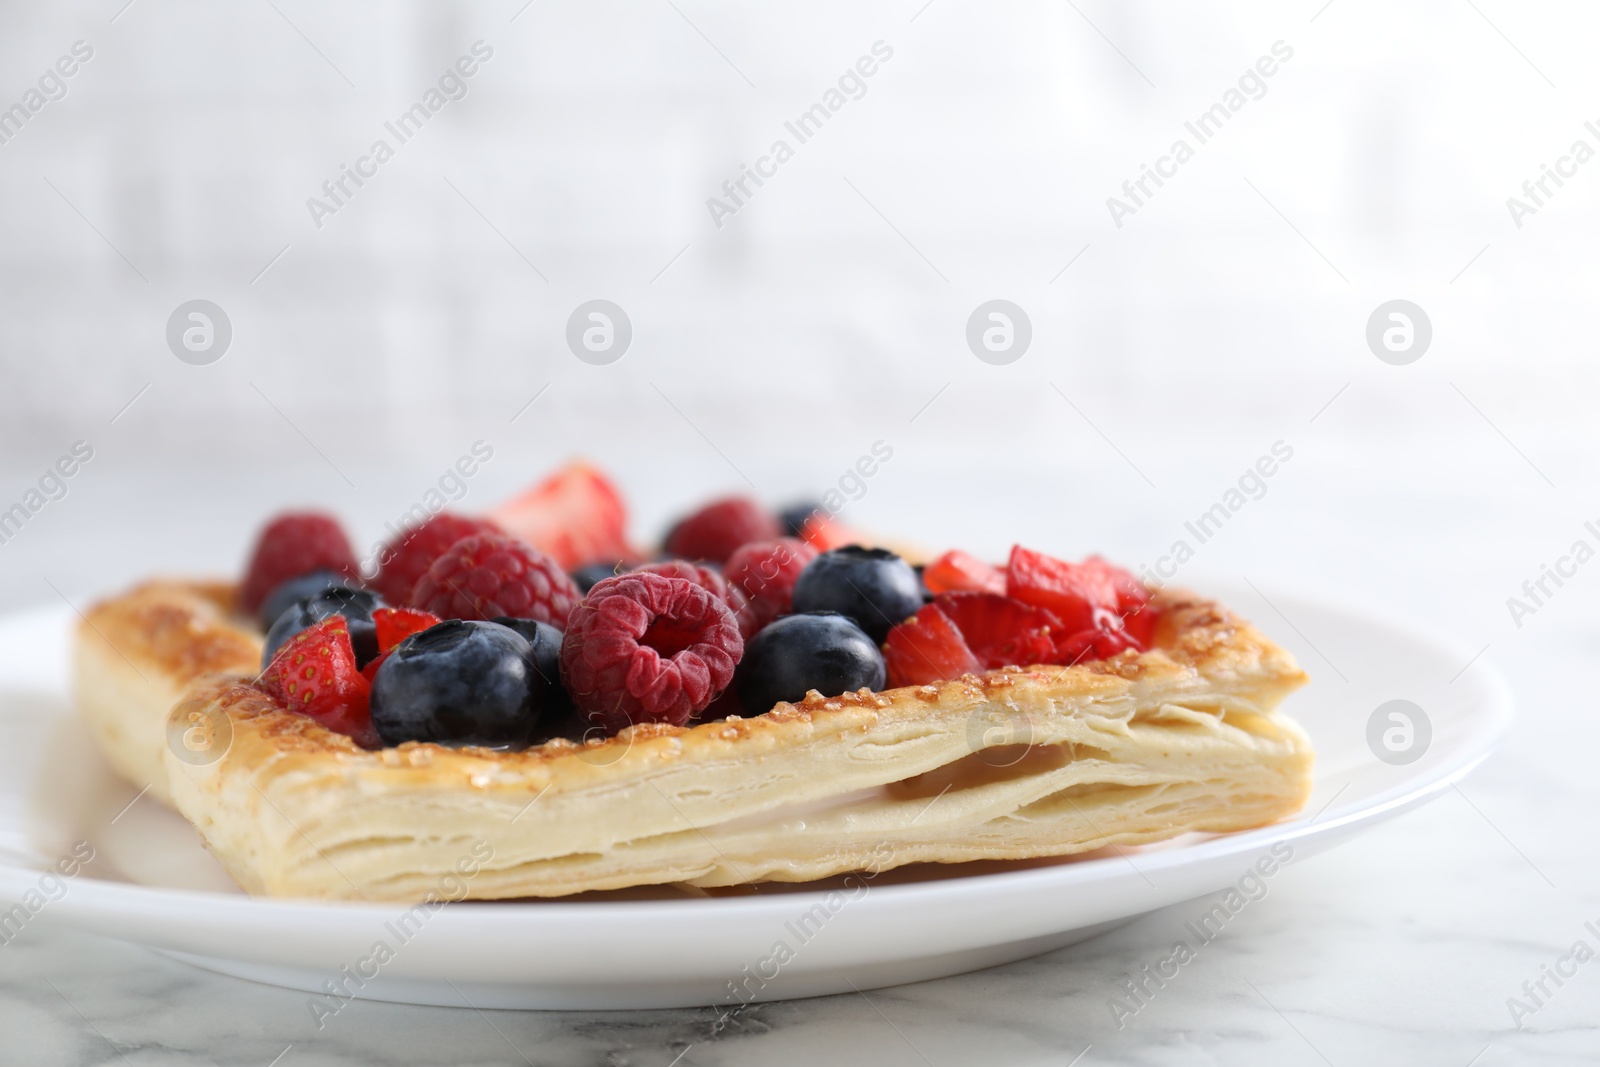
[137, 653]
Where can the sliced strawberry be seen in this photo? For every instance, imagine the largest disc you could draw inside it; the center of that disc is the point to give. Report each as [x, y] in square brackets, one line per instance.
[315, 674]
[825, 533]
[396, 624]
[960, 572]
[370, 671]
[1071, 590]
[1101, 642]
[1133, 600]
[575, 516]
[1001, 631]
[927, 648]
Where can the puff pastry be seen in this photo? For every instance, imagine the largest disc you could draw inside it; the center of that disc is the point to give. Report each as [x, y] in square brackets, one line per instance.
[1019, 763]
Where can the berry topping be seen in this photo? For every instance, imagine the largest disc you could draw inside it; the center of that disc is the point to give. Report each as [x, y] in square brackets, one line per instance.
[394, 625]
[765, 571]
[406, 558]
[354, 605]
[873, 586]
[959, 572]
[546, 642]
[647, 648]
[460, 683]
[712, 582]
[798, 653]
[713, 532]
[1102, 642]
[927, 648]
[1000, 631]
[795, 517]
[1090, 596]
[293, 544]
[1133, 600]
[287, 593]
[825, 533]
[486, 575]
[1072, 591]
[587, 575]
[315, 674]
[575, 516]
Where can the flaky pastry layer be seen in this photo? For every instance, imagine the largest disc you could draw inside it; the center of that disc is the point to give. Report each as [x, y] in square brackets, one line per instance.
[1019, 763]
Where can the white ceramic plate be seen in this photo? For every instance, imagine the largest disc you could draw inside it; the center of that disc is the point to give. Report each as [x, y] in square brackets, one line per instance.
[152, 883]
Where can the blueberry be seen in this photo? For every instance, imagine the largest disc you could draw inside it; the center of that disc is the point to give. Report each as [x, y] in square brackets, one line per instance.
[927, 594]
[546, 642]
[590, 573]
[824, 651]
[356, 605]
[873, 586]
[460, 683]
[283, 597]
[794, 518]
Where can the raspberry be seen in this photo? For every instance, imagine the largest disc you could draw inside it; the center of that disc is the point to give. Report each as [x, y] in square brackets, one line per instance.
[713, 532]
[711, 582]
[646, 648]
[408, 557]
[766, 572]
[927, 648]
[485, 576]
[315, 674]
[293, 544]
[575, 516]
[1001, 631]
[958, 572]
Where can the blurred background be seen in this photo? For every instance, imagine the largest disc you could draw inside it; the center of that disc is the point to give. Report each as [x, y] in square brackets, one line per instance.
[774, 340]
